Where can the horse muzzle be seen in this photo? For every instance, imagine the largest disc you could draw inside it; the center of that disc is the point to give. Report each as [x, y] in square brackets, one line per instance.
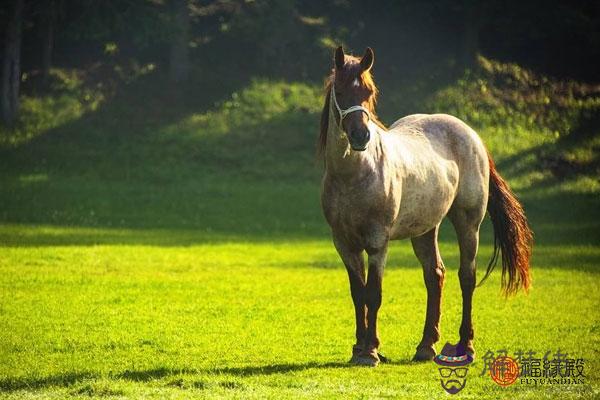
[359, 139]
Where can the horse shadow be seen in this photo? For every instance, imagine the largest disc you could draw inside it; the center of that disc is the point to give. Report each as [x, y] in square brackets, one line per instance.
[35, 383]
[72, 378]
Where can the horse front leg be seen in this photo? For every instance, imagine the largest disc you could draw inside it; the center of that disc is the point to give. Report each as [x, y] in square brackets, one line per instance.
[355, 266]
[369, 354]
[426, 250]
[357, 291]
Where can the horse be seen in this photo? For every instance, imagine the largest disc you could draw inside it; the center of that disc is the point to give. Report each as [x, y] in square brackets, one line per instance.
[383, 184]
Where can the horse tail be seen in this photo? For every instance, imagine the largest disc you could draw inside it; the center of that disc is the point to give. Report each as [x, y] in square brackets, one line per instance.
[512, 235]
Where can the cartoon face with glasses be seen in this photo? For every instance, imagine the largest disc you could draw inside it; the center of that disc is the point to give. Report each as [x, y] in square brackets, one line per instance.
[453, 379]
[453, 362]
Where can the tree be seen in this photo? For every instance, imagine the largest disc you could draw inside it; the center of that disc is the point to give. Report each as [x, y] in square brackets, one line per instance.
[48, 22]
[179, 61]
[474, 16]
[11, 66]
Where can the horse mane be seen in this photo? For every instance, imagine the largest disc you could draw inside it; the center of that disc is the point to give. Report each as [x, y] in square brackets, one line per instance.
[350, 69]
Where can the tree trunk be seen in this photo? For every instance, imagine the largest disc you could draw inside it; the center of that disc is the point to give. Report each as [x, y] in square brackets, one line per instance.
[179, 68]
[11, 67]
[473, 17]
[48, 39]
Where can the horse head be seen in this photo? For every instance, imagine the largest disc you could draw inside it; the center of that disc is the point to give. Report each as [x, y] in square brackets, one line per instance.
[353, 95]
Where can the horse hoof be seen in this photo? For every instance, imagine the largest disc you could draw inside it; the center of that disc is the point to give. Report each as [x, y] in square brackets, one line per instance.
[369, 359]
[424, 354]
[365, 360]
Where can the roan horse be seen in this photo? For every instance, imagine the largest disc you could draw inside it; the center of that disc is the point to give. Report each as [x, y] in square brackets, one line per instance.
[385, 184]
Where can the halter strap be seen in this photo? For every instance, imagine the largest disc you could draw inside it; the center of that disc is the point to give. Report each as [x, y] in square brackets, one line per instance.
[348, 110]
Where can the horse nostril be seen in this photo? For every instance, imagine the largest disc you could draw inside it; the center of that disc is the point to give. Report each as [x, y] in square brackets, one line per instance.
[360, 135]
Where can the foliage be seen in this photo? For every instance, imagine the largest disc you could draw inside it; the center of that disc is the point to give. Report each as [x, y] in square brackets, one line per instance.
[506, 95]
[514, 108]
[277, 120]
[67, 101]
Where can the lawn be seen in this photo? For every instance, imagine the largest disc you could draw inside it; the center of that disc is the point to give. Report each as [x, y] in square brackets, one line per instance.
[262, 319]
[189, 258]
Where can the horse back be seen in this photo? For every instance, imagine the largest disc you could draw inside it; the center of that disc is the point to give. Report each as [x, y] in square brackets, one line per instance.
[443, 162]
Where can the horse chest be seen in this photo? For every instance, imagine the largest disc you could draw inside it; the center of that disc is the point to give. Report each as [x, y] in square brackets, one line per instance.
[361, 213]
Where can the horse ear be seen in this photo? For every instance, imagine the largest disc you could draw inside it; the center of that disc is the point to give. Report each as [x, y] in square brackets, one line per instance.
[339, 58]
[366, 62]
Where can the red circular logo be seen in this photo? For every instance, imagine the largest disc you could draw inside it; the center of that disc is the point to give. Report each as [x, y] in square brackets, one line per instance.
[504, 371]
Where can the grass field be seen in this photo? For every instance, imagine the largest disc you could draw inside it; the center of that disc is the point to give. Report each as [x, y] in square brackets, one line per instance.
[188, 258]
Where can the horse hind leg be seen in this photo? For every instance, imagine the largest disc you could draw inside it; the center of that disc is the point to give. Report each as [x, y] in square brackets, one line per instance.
[426, 250]
[466, 223]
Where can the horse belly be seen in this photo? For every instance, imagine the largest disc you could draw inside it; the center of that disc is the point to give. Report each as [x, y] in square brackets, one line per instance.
[422, 207]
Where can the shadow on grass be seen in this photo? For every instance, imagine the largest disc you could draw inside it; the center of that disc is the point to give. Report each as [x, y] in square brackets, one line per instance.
[72, 378]
[63, 210]
[59, 380]
[152, 374]
[272, 369]
[556, 218]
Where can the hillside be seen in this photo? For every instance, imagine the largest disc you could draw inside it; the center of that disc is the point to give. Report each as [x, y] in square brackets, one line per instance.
[91, 156]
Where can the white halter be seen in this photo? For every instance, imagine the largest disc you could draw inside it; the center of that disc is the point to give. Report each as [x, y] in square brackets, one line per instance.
[348, 110]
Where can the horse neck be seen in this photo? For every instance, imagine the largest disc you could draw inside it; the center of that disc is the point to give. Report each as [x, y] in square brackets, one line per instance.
[341, 160]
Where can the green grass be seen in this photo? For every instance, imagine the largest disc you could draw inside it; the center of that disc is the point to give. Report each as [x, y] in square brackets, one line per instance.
[263, 320]
[175, 253]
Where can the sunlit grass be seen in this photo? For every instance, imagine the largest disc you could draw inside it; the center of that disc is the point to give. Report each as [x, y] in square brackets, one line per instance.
[262, 320]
